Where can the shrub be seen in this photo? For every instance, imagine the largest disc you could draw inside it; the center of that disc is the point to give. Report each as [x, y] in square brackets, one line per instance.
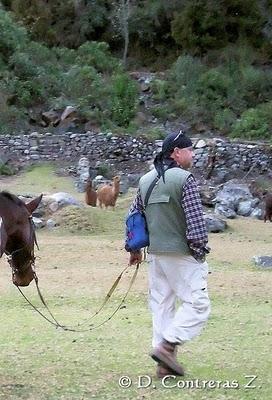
[123, 99]
[97, 55]
[22, 66]
[12, 36]
[104, 170]
[160, 89]
[202, 25]
[155, 134]
[161, 112]
[255, 123]
[257, 85]
[224, 120]
[6, 169]
[185, 74]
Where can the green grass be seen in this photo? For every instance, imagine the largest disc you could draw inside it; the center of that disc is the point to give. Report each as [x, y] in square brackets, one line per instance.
[76, 271]
[38, 179]
[38, 360]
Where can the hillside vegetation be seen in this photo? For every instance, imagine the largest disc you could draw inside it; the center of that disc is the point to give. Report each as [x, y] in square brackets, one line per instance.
[216, 55]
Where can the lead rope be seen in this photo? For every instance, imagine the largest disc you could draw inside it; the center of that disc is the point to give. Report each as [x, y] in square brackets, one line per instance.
[71, 329]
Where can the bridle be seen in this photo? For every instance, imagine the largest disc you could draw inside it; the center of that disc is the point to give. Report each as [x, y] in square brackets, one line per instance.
[54, 321]
[31, 261]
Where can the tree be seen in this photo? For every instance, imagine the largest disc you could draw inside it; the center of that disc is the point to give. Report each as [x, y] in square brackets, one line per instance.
[121, 15]
[211, 24]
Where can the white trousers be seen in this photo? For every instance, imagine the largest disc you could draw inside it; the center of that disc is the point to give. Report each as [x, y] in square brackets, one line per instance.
[174, 277]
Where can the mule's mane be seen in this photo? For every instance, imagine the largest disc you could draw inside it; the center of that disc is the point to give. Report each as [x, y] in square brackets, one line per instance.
[11, 197]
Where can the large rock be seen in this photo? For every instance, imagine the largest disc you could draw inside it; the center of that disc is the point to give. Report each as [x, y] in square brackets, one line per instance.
[264, 262]
[59, 200]
[38, 222]
[68, 112]
[225, 210]
[215, 224]
[83, 172]
[208, 195]
[234, 198]
[257, 213]
[50, 117]
[233, 193]
[245, 208]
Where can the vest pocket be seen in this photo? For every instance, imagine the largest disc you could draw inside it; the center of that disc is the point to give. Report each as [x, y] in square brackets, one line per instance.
[163, 198]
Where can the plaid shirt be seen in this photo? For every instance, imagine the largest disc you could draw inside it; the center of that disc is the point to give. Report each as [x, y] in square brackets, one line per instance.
[190, 202]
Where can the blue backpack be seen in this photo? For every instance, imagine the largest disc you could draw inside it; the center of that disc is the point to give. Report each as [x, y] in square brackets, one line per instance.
[137, 235]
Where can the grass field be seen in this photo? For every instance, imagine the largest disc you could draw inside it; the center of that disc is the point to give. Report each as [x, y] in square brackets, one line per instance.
[38, 361]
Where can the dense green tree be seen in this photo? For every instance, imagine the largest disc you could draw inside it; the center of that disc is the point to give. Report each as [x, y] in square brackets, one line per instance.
[62, 22]
[211, 24]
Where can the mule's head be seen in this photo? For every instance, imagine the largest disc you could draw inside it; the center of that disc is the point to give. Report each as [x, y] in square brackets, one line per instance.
[22, 266]
[22, 259]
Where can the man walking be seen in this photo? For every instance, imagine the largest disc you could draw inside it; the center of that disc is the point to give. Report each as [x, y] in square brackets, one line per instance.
[178, 246]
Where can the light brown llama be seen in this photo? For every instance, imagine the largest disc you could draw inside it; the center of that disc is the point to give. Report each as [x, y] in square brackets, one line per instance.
[107, 194]
[90, 194]
[268, 207]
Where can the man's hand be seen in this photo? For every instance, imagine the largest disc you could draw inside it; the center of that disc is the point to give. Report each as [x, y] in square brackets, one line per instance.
[136, 257]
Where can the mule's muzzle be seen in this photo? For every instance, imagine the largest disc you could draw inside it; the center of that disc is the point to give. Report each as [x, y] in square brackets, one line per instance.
[25, 279]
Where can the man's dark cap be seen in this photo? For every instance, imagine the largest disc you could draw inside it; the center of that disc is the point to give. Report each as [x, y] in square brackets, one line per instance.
[173, 140]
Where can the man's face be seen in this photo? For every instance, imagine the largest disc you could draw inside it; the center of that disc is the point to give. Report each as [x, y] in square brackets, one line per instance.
[183, 157]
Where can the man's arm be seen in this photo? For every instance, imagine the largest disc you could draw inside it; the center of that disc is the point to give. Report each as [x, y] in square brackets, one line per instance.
[196, 232]
[137, 204]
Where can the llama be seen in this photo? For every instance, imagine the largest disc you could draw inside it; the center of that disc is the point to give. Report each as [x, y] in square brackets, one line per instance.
[268, 207]
[90, 194]
[108, 194]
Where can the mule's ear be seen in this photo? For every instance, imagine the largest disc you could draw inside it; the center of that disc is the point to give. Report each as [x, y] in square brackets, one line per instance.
[33, 204]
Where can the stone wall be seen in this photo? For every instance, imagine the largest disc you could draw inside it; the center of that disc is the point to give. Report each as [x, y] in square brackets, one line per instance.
[229, 155]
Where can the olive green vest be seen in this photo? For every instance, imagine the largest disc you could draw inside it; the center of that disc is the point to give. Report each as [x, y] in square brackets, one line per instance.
[164, 214]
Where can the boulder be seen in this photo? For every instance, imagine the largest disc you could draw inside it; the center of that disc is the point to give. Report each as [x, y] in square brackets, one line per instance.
[234, 198]
[245, 208]
[50, 117]
[50, 223]
[215, 224]
[38, 222]
[233, 193]
[264, 262]
[257, 213]
[225, 210]
[59, 200]
[68, 112]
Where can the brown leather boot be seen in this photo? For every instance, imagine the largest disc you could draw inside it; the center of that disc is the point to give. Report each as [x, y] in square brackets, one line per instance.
[165, 355]
[163, 371]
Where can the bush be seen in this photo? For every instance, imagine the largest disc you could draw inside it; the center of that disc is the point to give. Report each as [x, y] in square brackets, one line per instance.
[97, 55]
[185, 74]
[123, 99]
[257, 85]
[255, 123]
[224, 120]
[12, 36]
[160, 89]
[202, 25]
[155, 134]
[6, 169]
[212, 88]
[161, 112]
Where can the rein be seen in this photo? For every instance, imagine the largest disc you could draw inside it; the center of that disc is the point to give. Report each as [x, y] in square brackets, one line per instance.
[53, 320]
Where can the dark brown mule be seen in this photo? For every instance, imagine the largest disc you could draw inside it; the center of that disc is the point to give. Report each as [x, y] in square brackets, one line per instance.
[17, 236]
